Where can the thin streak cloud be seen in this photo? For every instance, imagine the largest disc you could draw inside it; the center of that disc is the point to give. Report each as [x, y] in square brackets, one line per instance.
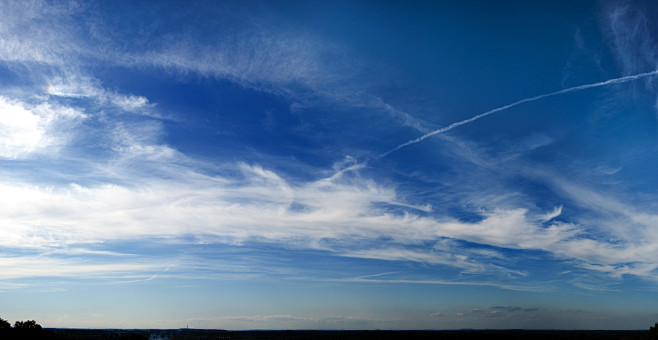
[522, 101]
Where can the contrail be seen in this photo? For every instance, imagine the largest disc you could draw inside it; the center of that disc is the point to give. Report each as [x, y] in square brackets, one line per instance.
[531, 99]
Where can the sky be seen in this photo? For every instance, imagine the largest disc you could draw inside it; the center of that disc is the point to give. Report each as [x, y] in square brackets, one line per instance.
[329, 164]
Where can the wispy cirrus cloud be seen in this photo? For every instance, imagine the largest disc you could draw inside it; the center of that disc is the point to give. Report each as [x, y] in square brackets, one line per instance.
[38, 267]
[259, 205]
[306, 68]
[629, 28]
[73, 86]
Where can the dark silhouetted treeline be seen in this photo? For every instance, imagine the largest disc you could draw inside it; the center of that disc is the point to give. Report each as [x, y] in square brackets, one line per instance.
[32, 330]
[29, 329]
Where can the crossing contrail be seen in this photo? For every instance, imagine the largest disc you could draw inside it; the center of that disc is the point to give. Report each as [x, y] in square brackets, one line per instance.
[526, 100]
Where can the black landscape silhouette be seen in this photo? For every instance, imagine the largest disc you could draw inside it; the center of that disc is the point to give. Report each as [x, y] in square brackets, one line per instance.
[30, 329]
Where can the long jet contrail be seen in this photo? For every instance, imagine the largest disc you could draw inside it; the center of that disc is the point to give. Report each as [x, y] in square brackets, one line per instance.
[531, 99]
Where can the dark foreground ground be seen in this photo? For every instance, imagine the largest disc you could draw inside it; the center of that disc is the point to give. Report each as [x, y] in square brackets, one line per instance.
[193, 334]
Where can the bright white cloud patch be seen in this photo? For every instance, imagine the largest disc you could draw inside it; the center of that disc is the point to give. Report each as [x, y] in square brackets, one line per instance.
[22, 131]
[26, 130]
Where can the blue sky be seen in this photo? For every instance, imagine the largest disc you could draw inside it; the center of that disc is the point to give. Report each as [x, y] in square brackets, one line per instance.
[329, 165]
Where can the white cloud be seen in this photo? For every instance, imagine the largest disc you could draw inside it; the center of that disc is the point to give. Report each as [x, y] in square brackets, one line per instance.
[78, 86]
[553, 214]
[22, 132]
[28, 129]
[257, 206]
[39, 266]
[606, 225]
